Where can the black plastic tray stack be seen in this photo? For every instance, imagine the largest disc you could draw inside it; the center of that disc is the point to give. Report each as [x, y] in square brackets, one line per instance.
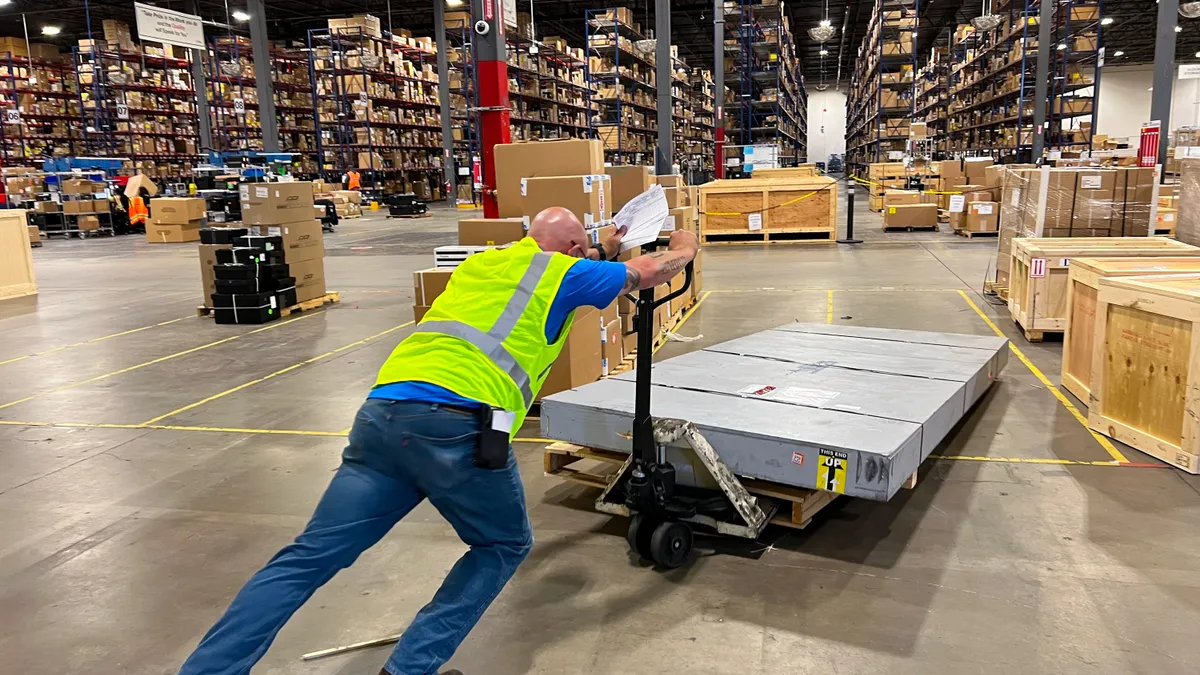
[252, 280]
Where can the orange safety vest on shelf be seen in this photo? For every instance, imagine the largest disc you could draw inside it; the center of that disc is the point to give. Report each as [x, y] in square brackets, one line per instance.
[352, 181]
[138, 213]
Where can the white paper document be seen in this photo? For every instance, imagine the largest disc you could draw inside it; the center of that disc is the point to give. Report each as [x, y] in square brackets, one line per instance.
[643, 217]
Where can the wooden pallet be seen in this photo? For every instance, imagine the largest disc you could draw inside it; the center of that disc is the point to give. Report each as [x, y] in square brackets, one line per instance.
[328, 298]
[599, 468]
[911, 228]
[1165, 231]
[971, 235]
[405, 217]
[769, 237]
[1035, 336]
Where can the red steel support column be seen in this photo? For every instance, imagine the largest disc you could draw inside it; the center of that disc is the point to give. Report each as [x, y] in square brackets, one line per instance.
[719, 86]
[491, 69]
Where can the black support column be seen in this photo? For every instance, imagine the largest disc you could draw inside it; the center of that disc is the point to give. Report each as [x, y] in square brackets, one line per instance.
[262, 75]
[664, 72]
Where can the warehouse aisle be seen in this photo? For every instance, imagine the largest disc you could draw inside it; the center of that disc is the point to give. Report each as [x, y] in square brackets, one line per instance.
[151, 460]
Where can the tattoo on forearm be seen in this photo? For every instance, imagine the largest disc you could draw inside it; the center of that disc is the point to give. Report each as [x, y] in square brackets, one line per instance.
[672, 265]
[633, 280]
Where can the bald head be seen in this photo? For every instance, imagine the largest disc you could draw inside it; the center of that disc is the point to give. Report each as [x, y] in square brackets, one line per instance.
[557, 230]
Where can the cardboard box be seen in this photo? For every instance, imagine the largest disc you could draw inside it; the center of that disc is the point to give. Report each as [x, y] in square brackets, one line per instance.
[975, 168]
[208, 258]
[683, 218]
[310, 278]
[585, 196]
[490, 231]
[176, 210]
[141, 180]
[169, 233]
[301, 241]
[627, 183]
[81, 186]
[581, 359]
[1094, 207]
[538, 159]
[676, 197]
[35, 235]
[419, 312]
[981, 217]
[910, 215]
[670, 181]
[975, 193]
[610, 347]
[76, 206]
[100, 206]
[900, 197]
[90, 223]
[429, 284]
[276, 203]
[351, 196]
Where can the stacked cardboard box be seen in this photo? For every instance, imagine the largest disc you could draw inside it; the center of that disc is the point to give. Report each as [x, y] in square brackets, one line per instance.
[541, 159]
[275, 260]
[174, 219]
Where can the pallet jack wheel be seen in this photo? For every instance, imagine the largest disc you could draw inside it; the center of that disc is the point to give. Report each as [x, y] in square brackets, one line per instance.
[671, 543]
[641, 529]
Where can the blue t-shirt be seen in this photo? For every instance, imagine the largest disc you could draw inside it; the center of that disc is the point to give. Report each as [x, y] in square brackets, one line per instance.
[588, 282]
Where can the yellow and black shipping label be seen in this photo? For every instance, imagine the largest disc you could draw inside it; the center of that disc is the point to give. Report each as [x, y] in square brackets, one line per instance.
[831, 471]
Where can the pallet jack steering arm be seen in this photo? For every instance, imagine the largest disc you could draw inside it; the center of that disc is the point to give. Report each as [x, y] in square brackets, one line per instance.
[652, 478]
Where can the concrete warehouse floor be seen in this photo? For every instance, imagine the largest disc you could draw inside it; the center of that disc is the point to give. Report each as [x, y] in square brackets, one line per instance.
[120, 543]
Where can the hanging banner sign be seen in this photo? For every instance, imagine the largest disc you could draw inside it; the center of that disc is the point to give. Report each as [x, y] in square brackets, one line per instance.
[173, 28]
[509, 7]
[1148, 145]
[1189, 71]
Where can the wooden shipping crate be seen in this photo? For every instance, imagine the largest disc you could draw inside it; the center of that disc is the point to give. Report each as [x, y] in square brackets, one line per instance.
[787, 173]
[1037, 298]
[772, 209]
[16, 262]
[1085, 275]
[1146, 366]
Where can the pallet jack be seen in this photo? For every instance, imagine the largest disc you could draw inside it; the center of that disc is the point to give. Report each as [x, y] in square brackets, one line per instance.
[663, 512]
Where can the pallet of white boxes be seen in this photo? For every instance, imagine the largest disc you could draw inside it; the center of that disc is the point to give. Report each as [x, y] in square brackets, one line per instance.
[571, 174]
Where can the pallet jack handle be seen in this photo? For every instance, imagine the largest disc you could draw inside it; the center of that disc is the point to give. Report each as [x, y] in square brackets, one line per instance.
[644, 447]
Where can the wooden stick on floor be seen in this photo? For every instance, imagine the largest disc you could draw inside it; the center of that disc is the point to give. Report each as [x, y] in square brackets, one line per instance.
[333, 651]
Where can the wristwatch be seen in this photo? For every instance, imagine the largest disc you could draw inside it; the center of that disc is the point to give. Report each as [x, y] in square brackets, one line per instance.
[601, 254]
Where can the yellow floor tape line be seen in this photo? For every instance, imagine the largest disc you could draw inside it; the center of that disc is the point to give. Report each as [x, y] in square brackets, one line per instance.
[1062, 398]
[160, 359]
[93, 340]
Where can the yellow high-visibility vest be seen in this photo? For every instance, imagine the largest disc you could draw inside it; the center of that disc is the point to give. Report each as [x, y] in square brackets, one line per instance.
[484, 338]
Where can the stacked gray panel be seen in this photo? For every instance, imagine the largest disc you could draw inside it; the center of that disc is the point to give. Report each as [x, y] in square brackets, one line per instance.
[772, 402]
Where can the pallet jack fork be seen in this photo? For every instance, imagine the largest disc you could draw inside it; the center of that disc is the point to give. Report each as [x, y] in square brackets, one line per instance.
[662, 512]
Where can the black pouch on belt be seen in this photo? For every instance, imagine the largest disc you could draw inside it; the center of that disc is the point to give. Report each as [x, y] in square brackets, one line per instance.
[495, 425]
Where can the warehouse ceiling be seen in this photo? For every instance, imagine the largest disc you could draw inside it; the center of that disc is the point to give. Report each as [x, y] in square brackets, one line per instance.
[1132, 32]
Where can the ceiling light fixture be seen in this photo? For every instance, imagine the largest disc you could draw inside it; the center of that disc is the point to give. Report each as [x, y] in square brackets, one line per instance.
[825, 30]
[986, 21]
[5, 3]
[454, 3]
[1189, 10]
[1062, 46]
[1106, 21]
[51, 30]
[1118, 53]
[824, 52]
[239, 15]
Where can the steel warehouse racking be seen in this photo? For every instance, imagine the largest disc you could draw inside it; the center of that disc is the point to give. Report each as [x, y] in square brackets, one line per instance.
[376, 109]
[41, 107]
[763, 73]
[882, 100]
[620, 73]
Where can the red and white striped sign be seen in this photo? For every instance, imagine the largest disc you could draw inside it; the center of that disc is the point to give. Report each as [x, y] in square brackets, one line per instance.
[1148, 147]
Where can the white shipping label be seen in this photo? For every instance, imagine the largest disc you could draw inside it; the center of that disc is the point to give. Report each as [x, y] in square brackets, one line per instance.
[464, 171]
[1037, 268]
[1016, 198]
[1090, 182]
[1168, 217]
[755, 220]
[275, 231]
[982, 209]
[503, 420]
[668, 225]
[272, 302]
[524, 186]
[262, 192]
[587, 184]
[525, 222]
[1064, 262]
[245, 190]
[803, 396]
[603, 331]
[956, 203]
[756, 390]
[588, 219]
[604, 367]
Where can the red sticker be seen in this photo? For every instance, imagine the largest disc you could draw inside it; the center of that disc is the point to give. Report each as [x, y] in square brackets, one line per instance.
[797, 459]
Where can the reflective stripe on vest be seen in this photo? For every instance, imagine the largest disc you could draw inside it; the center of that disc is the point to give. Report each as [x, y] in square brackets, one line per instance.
[491, 343]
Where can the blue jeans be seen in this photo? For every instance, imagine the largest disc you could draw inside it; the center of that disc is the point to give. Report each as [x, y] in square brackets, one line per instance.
[400, 452]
